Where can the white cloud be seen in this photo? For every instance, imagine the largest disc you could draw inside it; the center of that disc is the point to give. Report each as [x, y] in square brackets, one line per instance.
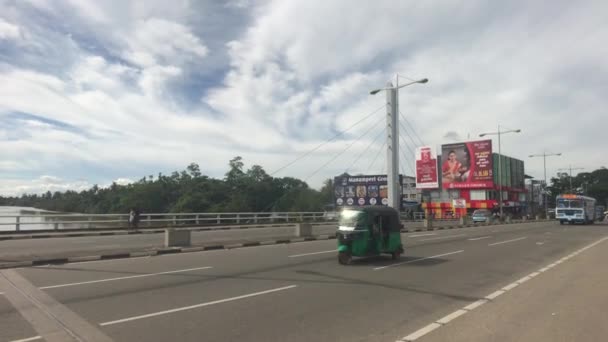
[123, 181]
[16, 187]
[294, 76]
[9, 31]
[158, 41]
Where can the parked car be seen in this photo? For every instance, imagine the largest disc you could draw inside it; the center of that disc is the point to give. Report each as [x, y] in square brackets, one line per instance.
[481, 215]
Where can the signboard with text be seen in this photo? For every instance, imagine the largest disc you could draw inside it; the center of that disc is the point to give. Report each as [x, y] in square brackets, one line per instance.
[361, 190]
[467, 165]
[426, 168]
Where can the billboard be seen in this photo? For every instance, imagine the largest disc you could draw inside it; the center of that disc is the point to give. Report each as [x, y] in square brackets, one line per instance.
[426, 168]
[467, 165]
[361, 190]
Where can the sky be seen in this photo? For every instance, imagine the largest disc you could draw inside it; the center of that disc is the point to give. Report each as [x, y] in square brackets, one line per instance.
[95, 92]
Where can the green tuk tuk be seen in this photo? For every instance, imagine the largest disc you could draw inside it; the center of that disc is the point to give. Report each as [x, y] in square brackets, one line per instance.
[368, 231]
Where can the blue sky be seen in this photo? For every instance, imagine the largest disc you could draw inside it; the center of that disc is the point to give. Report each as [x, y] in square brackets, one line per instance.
[93, 92]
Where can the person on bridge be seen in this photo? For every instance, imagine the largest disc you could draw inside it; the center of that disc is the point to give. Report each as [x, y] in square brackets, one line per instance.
[133, 218]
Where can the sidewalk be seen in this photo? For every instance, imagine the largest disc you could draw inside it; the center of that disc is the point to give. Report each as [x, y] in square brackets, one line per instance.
[568, 302]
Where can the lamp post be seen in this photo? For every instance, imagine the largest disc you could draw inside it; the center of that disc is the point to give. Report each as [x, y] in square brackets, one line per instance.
[545, 155]
[570, 168]
[499, 133]
[392, 129]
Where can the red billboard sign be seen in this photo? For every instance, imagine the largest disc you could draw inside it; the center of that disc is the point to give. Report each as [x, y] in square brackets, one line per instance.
[426, 168]
[467, 165]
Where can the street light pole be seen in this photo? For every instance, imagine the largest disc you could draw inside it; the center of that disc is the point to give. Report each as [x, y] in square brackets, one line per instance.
[499, 133]
[545, 155]
[392, 130]
[570, 168]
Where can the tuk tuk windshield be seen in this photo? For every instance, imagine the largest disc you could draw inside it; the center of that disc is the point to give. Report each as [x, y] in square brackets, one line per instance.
[351, 219]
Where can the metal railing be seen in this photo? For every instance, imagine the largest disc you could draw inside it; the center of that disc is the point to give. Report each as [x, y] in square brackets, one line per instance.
[107, 221]
[60, 222]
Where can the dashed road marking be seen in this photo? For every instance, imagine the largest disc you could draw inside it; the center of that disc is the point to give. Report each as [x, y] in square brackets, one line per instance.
[165, 312]
[480, 238]
[419, 235]
[313, 253]
[416, 260]
[507, 241]
[443, 237]
[123, 278]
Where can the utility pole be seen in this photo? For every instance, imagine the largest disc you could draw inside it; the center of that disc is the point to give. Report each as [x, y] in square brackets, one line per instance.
[499, 132]
[392, 157]
[545, 155]
[570, 168]
[392, 129]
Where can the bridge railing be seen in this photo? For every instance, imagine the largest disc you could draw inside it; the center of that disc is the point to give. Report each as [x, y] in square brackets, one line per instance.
[60, 222]
[107, 221]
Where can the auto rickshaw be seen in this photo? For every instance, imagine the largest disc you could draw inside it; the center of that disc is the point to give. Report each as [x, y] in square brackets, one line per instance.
[368, 231]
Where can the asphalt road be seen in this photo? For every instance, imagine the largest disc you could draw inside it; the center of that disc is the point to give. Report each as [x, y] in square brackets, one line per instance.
[28, 249]
[292, 292]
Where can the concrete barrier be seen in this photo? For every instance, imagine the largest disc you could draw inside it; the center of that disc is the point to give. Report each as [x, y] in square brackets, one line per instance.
[428, 223]
[303, 229]
[177, 238]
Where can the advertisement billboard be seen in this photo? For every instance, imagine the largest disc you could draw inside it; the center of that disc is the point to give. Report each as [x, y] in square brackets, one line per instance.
[467, 165]
[426, 168]
[361, 190]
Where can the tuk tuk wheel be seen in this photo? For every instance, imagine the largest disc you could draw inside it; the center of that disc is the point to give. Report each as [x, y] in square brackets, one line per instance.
[396, 255]
[345, 258]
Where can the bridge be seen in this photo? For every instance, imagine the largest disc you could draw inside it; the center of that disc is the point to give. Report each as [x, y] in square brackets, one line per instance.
[274, 276]
[450, 282]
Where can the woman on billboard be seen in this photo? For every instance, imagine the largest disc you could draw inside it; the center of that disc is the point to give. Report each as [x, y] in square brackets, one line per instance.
[451, 168]
[455, 171]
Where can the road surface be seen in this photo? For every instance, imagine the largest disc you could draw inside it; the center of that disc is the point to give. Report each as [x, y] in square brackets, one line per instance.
[299, 292]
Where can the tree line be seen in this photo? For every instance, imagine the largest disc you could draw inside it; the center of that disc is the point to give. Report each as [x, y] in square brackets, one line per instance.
[593, 184]
[251, 190]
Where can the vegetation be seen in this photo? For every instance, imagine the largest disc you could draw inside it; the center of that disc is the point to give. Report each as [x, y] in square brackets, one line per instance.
[593, 184]
[251, 190]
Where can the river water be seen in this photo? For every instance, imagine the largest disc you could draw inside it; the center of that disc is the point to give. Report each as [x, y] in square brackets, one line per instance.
[27, 215]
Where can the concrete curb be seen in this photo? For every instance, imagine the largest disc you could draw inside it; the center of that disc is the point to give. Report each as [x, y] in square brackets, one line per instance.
[155, 252]
[192, 249]
[85, 233]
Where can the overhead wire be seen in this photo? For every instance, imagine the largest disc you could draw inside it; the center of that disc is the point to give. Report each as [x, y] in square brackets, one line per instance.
[271, 205]
[380, 134]
[341, 152]
[411, 127]
[411, 151]
[376, 157]
[327, 141]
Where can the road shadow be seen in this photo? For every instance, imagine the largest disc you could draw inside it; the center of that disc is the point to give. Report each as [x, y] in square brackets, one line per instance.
[381, 260]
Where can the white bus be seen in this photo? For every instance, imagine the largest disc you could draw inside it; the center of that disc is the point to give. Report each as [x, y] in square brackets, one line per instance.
[575, 209]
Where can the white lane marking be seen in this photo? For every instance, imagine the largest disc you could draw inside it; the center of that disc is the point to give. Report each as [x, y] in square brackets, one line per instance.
[452, 316]
[443, 237]
[512, 240]
[421, 332]
[510, 286]
[416, 260]
[28, 339]
[524, 279]
[122, 278]
[494, 294]
[154, 314]
[313, 253]
[475, 305]
[540, 243]
[1, 293]
[419, 235]
[480, 238]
